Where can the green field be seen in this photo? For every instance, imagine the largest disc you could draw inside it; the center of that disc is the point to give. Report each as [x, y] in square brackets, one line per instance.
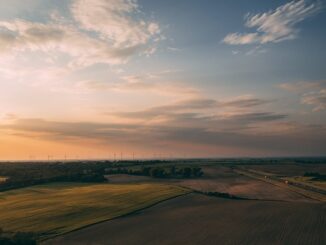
[54, 209]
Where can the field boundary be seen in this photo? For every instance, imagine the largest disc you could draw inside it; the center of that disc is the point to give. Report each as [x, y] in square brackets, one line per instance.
[120, 216]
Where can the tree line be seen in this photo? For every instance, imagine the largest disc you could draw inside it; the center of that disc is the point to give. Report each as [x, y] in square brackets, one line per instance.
[26, 174]
[160, 172]
[315, 176]
[18, 175]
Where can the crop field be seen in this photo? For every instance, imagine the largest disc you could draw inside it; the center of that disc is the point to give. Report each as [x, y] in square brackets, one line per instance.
[54, 209]
[198, 219]
[130, 207]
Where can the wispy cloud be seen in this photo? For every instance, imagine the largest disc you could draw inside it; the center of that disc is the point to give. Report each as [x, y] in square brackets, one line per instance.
[215, 115]
[300, 86]
[244, 101]
[312, 93]
[315, 99]
[256, 50]
[275, 25]
[141, 84]
[175, 136]
[173, 49]
[239, 124]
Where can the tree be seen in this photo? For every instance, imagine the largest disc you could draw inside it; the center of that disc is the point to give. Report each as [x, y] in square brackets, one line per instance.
[186, 173]
[146, 171]
[172, 170]
[157, 172]
[197, 172]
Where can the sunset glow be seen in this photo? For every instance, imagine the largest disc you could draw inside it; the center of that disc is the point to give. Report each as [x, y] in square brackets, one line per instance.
[84, 79]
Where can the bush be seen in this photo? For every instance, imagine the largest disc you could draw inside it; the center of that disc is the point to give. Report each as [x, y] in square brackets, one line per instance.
[197, 172]
[157, 172]
[18, 238]
[23, 238]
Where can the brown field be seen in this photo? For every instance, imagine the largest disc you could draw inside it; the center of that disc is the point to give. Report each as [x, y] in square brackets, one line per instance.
[198, 219]
[223, 179]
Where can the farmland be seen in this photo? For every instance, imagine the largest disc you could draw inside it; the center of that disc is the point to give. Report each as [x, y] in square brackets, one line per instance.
[54, 209]
[224, 179]
[198, 219]
[226, 201]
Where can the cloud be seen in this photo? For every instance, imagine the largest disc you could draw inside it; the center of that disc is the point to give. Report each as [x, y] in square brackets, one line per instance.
[312, 93]
[237, 38]
[211, 114]
[302, 139]
[82, 49]
[256, 50]
[6, 39]
[61, 131]
[172, 110]
[275, 25]
[300, 86]
[103, 32]
[153, 83]
[197, 104]
[199, 123]
[256, 117]
[243, 102]
[173, 49]
[315, 99]
[113, 20]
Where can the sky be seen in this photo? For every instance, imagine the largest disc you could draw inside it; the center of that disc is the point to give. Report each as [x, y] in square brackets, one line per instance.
[158, 79]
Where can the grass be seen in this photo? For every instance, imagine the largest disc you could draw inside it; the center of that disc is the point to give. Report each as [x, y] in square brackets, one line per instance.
[58, 208]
